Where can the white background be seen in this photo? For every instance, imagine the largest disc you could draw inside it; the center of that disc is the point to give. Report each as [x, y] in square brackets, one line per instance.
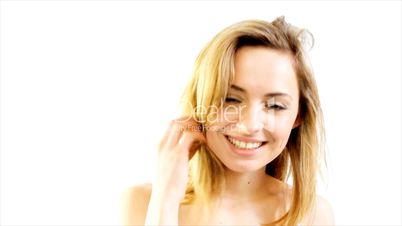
[88, 87]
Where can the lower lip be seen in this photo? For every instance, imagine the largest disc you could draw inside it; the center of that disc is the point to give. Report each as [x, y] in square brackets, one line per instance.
[244, 152]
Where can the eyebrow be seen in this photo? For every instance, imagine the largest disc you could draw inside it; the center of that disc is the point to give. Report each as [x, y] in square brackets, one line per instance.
[238, 88]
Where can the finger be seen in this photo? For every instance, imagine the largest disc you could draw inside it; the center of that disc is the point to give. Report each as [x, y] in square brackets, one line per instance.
[189, 138]
[176, 132]
[190, 124]
[166, 134]
[191, 142]
[176, 129]
[184, 119]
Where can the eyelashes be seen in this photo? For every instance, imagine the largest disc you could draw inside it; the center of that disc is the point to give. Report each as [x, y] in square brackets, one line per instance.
[232, 100]
[276, 107]
[269, 105]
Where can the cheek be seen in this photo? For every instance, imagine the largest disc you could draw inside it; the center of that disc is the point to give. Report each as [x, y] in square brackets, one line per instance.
[221, 121]
[214, 141]
[280, 130]
[210, 137]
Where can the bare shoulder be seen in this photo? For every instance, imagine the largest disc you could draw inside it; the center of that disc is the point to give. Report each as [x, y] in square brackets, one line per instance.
[135, 204]
[321, 214]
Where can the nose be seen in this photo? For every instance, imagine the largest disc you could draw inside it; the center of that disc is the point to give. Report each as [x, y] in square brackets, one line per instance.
[249, 121]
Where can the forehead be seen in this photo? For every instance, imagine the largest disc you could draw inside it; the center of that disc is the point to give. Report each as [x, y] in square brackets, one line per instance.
[259, 68]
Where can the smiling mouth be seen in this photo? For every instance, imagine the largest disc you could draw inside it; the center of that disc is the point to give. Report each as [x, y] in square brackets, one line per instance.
[244, 145]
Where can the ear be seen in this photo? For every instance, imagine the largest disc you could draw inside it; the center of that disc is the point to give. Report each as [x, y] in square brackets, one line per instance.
[297, 122]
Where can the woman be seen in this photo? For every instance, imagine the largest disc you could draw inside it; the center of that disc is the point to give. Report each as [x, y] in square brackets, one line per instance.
[251, 117]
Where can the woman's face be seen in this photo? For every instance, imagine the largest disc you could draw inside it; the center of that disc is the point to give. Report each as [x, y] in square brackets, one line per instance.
[259, 112]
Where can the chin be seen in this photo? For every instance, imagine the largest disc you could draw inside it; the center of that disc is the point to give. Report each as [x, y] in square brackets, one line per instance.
[243, 167]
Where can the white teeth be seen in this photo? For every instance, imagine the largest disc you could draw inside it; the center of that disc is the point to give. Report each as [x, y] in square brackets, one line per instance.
[244, 145]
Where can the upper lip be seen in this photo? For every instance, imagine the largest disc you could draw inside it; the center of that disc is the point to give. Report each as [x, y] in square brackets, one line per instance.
[246, 139]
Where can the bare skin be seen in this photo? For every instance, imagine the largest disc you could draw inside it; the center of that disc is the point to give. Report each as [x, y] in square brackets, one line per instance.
[251, 197]
[231, 211]
[264, 205]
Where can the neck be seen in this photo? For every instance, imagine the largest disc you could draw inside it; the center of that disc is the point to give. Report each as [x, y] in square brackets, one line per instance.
[246, 186]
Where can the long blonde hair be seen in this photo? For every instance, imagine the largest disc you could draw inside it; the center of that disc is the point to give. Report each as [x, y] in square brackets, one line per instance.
[212, 75]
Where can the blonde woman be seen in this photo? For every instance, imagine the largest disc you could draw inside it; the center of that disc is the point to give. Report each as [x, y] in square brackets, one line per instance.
[251, 118]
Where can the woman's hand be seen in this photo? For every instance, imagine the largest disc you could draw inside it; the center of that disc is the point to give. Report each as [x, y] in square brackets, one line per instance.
[180, 142]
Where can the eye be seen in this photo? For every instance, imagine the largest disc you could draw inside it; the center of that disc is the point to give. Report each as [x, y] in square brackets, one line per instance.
[232, 100]
[273, 106]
